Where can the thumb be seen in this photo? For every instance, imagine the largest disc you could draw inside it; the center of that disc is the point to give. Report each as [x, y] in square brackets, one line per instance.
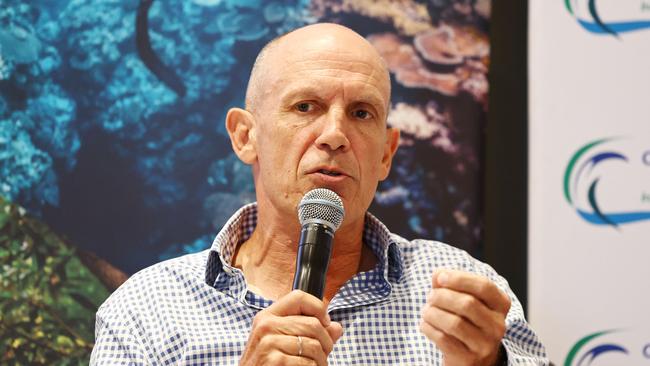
[335, 331]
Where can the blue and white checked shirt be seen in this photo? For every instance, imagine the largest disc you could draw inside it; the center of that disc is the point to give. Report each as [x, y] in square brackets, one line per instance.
[198, 310]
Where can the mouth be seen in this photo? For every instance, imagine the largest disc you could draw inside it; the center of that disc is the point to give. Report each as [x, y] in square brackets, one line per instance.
[331, 173]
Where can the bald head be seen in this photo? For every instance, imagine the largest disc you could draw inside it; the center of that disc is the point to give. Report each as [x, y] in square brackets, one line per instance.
[312, 38]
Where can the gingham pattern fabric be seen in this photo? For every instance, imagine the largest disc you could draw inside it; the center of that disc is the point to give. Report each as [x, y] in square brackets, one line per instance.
[197, 309]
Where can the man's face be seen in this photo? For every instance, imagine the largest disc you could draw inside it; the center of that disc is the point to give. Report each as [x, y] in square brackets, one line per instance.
[321, 122]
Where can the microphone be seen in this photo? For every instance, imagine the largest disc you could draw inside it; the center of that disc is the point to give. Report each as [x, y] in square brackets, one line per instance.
[320, 213]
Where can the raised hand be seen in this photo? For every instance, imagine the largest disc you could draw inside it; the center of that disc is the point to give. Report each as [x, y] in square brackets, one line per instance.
[465, 316]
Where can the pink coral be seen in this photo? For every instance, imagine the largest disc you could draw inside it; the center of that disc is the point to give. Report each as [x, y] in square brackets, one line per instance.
[451, 45]
[408, 68]
[422, 124]
[460, 51]
[408, 16]
[483, 8]
[474, 80]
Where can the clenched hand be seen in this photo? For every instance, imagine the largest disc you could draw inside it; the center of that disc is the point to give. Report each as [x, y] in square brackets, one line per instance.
[465, 316]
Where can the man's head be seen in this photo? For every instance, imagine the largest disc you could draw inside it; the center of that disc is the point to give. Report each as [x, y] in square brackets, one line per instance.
[316, 113]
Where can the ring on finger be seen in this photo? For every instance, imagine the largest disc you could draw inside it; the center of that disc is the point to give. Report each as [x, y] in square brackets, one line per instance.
[299, 346]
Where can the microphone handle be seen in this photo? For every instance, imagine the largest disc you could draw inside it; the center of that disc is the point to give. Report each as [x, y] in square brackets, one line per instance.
[314, 250]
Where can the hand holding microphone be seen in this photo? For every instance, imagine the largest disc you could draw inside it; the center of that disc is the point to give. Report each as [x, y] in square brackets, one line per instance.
[296, 329]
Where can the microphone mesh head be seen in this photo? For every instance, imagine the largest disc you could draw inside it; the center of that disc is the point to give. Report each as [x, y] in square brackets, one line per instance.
[322, 206]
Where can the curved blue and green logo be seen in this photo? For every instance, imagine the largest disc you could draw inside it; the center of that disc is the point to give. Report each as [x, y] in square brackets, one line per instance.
[578, 177]
[584, 352]
[592, 19]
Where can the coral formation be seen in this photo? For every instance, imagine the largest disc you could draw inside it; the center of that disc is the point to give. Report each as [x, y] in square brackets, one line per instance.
[422, 123]
[462, 53]
[81, 112]
[5, 69]
[408, 68]
[27, 172]
[17, 44]
[449, 45]
[408, 17]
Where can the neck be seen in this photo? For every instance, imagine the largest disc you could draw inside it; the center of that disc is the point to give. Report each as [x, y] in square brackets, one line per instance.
[268, 257]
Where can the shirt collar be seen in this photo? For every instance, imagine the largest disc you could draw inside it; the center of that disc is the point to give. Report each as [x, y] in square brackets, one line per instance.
[241, 225]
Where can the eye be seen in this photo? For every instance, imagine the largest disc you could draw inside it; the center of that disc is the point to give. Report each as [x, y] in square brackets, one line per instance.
[304, 107]
[361, 114]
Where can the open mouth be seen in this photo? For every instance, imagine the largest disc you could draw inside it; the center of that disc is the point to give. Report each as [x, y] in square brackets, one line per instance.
[329, 172]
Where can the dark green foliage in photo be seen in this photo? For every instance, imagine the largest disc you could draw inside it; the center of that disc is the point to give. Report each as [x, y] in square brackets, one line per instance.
[48, 298]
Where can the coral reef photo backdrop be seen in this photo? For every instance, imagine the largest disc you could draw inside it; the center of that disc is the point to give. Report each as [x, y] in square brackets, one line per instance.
[113, 152]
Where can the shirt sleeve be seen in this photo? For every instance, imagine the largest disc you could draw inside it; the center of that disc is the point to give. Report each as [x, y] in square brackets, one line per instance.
[116, 345]
[122, 329]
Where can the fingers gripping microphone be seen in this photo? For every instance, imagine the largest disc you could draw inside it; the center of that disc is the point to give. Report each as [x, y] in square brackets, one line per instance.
[320, 213]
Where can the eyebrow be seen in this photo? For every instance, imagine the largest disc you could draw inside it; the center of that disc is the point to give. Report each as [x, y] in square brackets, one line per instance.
[298, 93]
[309, 91]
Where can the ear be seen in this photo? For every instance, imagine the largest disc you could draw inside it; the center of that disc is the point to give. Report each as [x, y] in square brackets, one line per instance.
[392, 142]
[240, 124]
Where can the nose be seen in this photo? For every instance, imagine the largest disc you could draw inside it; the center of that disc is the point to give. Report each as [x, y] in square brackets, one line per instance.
[333, 133]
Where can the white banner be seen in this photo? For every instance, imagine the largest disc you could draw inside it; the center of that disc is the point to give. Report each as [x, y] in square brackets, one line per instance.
[589, 174]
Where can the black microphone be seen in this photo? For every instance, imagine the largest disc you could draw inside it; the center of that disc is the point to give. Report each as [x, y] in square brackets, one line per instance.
[320, 213]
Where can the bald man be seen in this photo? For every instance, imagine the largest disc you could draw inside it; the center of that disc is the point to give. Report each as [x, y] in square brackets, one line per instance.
[316, 110]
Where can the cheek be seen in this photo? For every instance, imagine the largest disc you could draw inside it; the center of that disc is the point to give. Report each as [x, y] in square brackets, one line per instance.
[369, 156]
[269, 151]
[282, 149]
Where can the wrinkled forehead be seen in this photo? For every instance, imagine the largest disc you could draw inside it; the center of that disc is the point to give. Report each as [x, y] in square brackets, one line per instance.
[315, 57]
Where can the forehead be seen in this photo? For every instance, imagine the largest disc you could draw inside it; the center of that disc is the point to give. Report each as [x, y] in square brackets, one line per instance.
[328, 69]
[325, 62]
